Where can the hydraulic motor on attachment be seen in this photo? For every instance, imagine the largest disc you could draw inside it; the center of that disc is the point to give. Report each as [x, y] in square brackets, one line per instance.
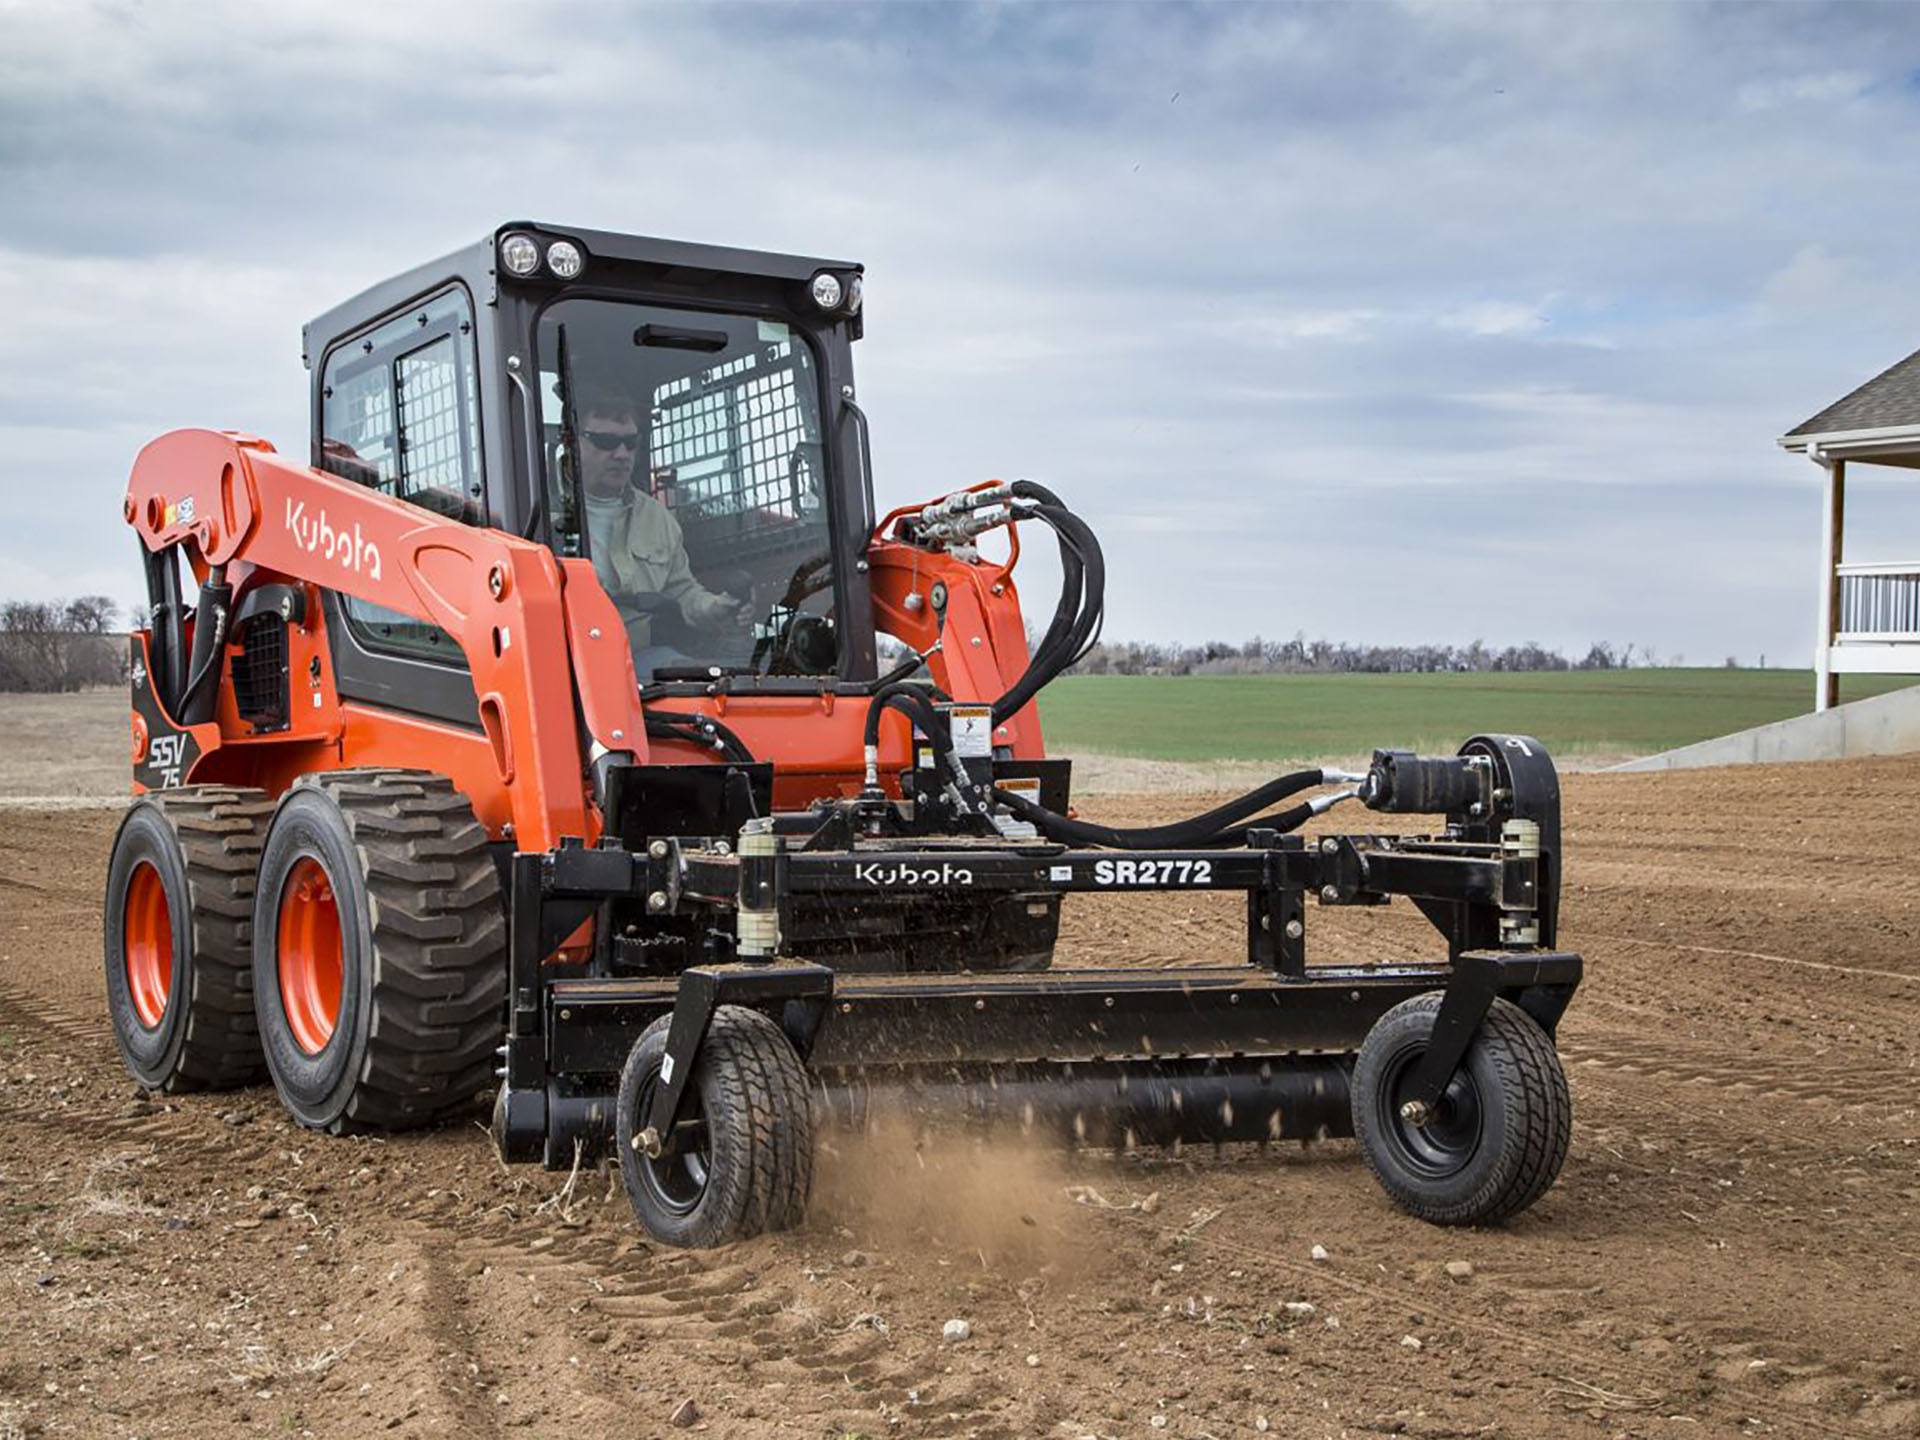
[539, 730]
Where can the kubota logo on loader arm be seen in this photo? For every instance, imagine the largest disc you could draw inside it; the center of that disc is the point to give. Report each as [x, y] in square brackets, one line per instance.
[316, 535]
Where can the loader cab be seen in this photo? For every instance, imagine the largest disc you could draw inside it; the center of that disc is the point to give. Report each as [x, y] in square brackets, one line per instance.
[680, 416]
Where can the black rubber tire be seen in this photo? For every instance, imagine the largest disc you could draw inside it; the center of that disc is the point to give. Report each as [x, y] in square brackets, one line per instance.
[757, 1150]
[1495, 1145]
[204, 842]
[422, 1009]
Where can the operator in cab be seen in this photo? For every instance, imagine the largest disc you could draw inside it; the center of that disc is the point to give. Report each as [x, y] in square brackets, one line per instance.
[636, 544]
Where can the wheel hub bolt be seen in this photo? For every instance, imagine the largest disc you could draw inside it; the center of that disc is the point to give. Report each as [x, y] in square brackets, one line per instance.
[1415, 1112]
[647, 1142]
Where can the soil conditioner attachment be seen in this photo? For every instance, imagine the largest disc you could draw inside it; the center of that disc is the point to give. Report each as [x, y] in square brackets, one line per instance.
[1445, 1070]
[568, 729]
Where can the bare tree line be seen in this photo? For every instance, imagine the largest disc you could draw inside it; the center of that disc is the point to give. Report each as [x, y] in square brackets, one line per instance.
[64, 645]
[1301, 656]
[60, 645]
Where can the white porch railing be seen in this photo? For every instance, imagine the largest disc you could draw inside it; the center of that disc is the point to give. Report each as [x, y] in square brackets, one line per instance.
[1879, 604]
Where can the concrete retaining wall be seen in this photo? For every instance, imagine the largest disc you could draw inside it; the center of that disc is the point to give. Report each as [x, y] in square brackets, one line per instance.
[1884, 725]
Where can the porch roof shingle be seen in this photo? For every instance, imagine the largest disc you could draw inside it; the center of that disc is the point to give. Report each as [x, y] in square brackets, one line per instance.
[1890, 399]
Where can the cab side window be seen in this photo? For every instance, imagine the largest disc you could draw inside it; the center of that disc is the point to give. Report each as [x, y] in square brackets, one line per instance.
[400, 414]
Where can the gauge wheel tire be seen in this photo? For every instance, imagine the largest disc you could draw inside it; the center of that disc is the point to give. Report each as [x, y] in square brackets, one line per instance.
[379, 957]
[1497, 1139]
[178, 929]
[746, 1165]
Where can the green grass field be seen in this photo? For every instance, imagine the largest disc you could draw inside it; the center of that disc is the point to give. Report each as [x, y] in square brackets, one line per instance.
[1270, 717]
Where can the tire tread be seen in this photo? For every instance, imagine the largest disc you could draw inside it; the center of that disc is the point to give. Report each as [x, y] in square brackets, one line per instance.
[439, 932]
[220, 830]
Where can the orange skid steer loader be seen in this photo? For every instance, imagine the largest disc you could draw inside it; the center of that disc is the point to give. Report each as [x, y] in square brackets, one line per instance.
[571, 728]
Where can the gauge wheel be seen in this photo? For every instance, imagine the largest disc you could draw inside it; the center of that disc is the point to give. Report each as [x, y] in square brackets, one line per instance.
[740, 1162]
[1498, 1136]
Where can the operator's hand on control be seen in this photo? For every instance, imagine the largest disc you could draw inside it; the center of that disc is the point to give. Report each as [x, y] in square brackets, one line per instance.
[717, 612]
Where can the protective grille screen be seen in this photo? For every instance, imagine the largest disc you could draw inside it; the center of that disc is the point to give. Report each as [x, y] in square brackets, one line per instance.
[733, 454]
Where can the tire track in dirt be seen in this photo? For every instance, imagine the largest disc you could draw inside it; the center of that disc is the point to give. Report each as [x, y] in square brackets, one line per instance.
[1826, 966]
[1855, 1088]
[35, 1011]
[446, 1322]
[658, 1310]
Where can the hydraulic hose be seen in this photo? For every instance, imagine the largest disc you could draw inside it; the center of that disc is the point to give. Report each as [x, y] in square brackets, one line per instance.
[1214, 827]
[1082, 606]
[210, 622]
[912, 701]
[1072, 585]
[702, 730]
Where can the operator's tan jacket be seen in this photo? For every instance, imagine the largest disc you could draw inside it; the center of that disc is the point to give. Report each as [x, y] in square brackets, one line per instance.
[648, 553]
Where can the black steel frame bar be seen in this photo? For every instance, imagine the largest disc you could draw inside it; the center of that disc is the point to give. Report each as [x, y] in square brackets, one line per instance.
[1062, 1015]
[1343, 869]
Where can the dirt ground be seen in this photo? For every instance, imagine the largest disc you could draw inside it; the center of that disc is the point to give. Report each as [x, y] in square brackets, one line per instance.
[1733, 1248]
[60, 749]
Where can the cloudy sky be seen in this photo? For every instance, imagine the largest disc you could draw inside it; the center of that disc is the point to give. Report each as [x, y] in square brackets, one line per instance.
[1411, 322]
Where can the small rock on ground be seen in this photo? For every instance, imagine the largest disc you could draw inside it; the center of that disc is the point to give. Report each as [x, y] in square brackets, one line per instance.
[955, 1330]
[1460, 1269]
[685, 1415]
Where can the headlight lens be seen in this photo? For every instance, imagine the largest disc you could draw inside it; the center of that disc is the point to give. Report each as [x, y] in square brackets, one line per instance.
[519, 254]
[826, 291]
[564, 259]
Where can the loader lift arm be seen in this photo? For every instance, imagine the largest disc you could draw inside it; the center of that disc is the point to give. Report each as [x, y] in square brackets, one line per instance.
[531, 626]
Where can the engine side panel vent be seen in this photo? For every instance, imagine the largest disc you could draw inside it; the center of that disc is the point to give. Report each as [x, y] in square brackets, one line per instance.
[260, 680]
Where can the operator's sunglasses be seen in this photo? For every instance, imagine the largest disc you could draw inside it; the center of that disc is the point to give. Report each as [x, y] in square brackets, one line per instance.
[611, 440]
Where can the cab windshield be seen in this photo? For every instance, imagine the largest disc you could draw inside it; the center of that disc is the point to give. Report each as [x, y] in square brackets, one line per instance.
[684, 459]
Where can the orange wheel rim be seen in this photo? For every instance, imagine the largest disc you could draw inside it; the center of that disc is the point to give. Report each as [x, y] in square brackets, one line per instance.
[147, 928]
[310, 955]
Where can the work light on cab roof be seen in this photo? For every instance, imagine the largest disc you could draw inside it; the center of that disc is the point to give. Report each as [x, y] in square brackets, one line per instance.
[565, 260]
[520, 254]
[827, 290]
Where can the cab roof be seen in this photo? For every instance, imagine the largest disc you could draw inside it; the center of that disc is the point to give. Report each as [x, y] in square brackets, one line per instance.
[681, 261]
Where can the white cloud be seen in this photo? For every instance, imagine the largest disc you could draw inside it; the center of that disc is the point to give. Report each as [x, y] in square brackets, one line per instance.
[1495, 317]
[1822, 88]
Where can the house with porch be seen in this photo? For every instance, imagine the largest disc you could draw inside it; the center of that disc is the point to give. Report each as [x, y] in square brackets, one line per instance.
[1869, 609]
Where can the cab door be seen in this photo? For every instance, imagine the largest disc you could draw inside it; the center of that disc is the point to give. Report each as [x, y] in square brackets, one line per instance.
[400, 413]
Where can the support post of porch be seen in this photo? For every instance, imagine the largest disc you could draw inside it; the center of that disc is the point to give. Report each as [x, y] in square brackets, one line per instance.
[1826, 683]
